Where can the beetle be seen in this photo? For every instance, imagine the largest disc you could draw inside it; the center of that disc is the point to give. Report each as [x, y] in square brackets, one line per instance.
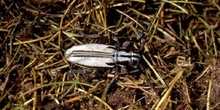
[103, 56]
[100, 56]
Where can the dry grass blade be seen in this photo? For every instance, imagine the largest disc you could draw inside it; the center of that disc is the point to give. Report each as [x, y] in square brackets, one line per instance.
[163, 102]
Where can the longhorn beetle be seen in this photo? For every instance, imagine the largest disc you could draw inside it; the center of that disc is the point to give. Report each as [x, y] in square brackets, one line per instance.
[102, 56]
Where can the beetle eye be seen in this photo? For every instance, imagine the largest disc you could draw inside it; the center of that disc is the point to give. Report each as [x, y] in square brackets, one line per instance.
[134, 62]
[135, 57]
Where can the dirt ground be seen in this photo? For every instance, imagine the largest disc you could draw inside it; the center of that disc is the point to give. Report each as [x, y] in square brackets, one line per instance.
[178, 43]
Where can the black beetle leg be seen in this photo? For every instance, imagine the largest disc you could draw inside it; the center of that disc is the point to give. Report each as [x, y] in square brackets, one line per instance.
[113, 80]
[116, 40]
[125, 45]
